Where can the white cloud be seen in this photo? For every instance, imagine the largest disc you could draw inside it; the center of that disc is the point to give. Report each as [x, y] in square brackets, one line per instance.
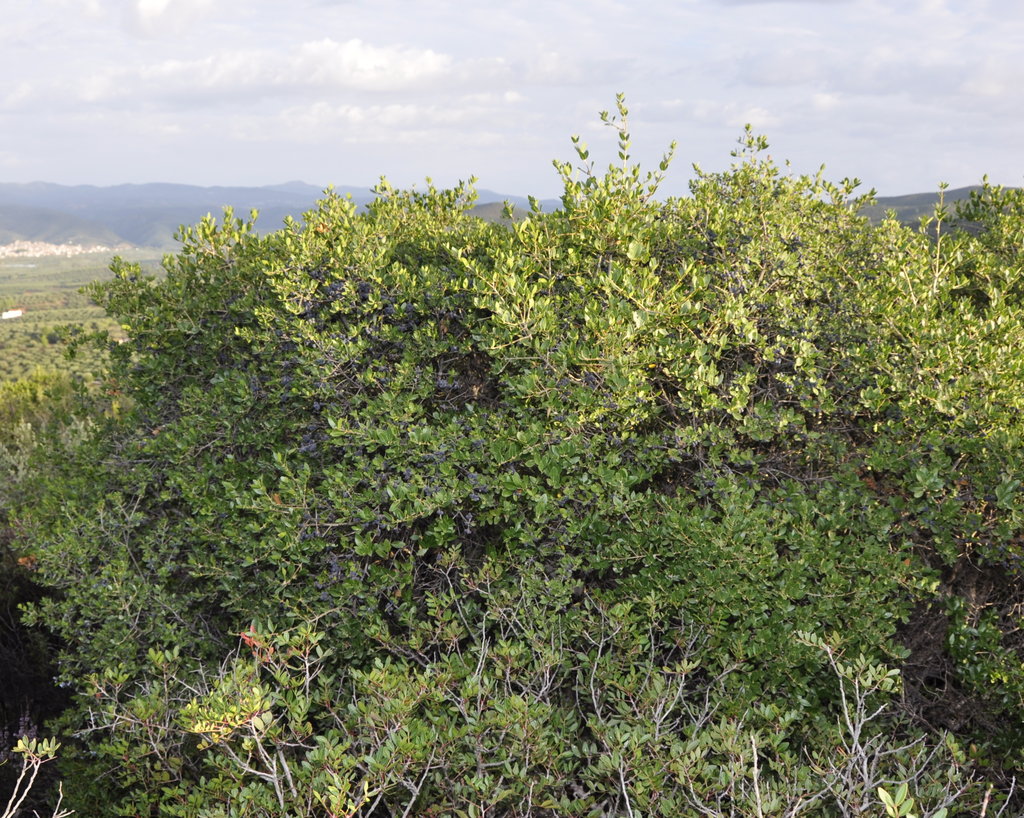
[11, 160]
[151, 9]
[735, 115]
[795, 65]
[397, 123]
[17, 96]
[314, 67]
[996, 79]
[355, 64]
[156, 18]
[549, 67]
[825, 102]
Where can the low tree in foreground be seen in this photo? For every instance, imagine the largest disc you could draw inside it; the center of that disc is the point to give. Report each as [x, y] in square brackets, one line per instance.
[705, 506]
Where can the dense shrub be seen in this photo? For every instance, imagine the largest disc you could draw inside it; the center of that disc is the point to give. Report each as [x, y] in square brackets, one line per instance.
[627, 509]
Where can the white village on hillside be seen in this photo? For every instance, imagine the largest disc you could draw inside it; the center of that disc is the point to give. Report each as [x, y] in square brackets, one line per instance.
[32, 249]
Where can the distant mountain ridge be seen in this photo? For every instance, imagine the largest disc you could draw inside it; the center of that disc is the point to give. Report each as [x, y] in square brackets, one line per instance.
[148, 215]
[911, 207]
[46, 225]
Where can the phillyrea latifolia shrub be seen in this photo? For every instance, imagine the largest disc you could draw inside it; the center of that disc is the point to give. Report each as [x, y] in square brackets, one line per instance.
[624, 509]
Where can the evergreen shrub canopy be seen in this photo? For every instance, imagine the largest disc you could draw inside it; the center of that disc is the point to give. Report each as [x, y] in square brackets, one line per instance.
[637, 507]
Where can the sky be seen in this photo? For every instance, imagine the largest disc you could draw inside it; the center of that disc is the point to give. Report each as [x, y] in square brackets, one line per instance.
[902, 94]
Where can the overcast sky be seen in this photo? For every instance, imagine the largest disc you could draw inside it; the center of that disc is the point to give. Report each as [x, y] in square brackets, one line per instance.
[900, 93]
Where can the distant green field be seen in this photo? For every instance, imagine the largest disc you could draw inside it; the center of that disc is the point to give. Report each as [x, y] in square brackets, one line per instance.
[47, 288]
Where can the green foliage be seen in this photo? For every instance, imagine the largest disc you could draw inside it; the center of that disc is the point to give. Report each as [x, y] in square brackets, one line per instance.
[408, 513]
